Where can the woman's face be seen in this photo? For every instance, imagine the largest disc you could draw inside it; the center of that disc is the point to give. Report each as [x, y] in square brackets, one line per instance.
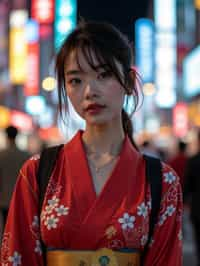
[96, 95]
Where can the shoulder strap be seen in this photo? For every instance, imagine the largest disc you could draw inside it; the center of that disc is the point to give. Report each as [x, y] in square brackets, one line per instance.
[154, 177]
[46, 164]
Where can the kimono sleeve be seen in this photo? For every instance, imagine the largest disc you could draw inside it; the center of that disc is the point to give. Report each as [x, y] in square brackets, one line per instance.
[21, 239]
[166, 245]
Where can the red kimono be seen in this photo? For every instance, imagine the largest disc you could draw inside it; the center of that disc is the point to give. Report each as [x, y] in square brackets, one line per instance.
[74, 217]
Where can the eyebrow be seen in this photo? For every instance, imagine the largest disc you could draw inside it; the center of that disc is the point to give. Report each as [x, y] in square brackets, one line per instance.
[78, 72]
[73, 72]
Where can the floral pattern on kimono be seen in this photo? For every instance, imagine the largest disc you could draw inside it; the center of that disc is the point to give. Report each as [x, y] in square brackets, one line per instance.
[74, 217]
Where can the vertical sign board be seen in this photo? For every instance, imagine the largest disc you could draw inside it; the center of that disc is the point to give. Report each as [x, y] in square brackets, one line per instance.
[144, 43]
[180, 120]
[3, 34]
[17, 47]
[31, 86]
[165, 52]
[191, 76]
[42, 11]
[65, 20]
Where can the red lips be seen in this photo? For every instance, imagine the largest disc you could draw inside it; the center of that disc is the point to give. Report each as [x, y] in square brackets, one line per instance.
[94, 108]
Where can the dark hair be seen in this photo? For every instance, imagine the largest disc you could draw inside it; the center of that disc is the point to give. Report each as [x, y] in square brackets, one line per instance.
[109, 46]
[182, 146]
[11, 132]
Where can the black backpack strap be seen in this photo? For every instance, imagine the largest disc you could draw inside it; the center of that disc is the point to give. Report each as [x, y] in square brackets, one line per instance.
[46, 165]
[154, 177]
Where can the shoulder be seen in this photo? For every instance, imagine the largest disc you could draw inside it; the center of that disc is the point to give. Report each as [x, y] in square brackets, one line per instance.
[30, 167]
[26, 180]
[32, 162]
[170, 181]
[169, 174]
[170, 178]
[171, 199]
[171, 186]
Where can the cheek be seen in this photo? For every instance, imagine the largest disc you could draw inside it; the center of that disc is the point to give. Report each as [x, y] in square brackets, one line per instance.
[75, 99]
[115, 94]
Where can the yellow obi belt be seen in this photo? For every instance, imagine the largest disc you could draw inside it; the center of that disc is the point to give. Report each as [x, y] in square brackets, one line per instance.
[101, 257]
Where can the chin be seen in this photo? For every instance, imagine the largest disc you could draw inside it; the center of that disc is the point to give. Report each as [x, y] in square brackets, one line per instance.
[98, 121]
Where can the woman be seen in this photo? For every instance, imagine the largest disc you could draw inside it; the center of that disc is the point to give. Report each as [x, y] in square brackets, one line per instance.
[97, 202]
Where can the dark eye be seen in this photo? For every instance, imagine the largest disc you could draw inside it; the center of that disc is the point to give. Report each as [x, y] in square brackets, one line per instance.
[74, 81]
[105, 74]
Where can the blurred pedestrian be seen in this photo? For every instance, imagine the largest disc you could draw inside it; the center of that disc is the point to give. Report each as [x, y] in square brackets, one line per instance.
[192, 194]
[11, 160]
[179, 160]
[97, 207]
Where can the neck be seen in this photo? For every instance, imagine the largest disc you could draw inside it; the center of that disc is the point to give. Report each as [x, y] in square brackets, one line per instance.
[99, 140]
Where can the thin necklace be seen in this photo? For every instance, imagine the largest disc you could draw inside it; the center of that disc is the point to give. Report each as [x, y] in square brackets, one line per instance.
[101, 167]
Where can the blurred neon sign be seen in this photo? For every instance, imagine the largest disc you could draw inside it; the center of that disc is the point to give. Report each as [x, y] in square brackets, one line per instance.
[191, 77]
[65, 19]
[17, 47]
[144, 32]
[165, 52]
[180, 120]
[43, 11]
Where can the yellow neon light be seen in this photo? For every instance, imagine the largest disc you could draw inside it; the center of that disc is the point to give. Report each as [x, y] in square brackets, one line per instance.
[18, 55]
[4, 117]
[197, 4]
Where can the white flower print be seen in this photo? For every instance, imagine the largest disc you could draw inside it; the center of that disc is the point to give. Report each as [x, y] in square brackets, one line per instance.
[38, 248]
[43, 215]
[49, 208]
[144, 240]
[162, 219]
[53, 202]
[170, 210]
[35, 222]
[62, 210]
[142, 210]
[15, 259]
[51, 222]
[127, 221]
[169, 177]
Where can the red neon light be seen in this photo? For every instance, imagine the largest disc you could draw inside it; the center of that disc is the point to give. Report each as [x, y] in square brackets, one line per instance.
[45, 31]
[180, 120]
[31, 86]
[43, 11]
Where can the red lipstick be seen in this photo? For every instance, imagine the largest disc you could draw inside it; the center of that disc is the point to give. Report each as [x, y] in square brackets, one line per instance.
[94, 108]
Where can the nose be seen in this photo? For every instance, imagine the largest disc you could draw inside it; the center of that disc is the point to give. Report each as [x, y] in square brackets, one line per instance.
[91, 89]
